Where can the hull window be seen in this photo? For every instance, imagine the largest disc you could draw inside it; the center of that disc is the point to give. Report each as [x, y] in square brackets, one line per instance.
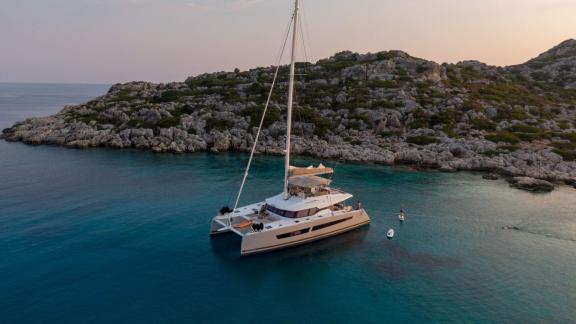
[321, 226]
[292, 234]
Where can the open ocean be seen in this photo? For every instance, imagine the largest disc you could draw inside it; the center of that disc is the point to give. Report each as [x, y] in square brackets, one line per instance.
[111, 236]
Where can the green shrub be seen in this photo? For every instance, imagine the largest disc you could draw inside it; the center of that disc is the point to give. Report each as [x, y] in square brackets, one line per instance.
[386, 55]
[87, 118]
[567, 136]
[256, 89]
[528, 132]
[421, 119]
[122, 95]
[564, 124]
[309, 115]
[510, 93]
[523, 128]
[511, 114]
[530, 137]
[383, 84]
[564, 145]
[566, 155]
[168, 122]
[390, 133]
[473, 105]
[483, 124]
[419, 122]
[361, 117]
[255, 114]
[446, 117]
[449, 131]
[422, 140]
[139, 123]
[220, 81]
[385, 104]
[540, 76]
[353, 141]
[469, 73]
[491, 153]
[504, 136]
[338, 65]
[218, 124]
[171, 96]
[566, 150]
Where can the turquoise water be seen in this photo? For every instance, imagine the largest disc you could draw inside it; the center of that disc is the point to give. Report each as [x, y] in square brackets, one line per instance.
[122, 236]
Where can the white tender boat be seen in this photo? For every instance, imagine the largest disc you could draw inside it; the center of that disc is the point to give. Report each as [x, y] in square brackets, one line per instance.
[307, 210]
[390, 233]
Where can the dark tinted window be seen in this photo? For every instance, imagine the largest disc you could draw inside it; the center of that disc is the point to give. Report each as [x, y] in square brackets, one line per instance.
[281, 212]
[295, 233]
[291, 214]
[321, 226]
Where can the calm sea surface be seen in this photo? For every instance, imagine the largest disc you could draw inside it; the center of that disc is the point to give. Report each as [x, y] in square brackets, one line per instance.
[108, 236]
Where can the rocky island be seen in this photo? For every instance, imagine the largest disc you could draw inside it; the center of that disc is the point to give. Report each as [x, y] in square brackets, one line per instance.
[386, 107]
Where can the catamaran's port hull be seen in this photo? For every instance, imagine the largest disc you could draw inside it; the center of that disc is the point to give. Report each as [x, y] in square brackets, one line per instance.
[298, 232]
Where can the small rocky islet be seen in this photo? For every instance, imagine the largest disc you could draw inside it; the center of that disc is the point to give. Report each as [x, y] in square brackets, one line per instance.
[387, 107]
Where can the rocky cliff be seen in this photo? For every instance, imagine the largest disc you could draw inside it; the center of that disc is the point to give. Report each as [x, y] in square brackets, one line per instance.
[386, 107]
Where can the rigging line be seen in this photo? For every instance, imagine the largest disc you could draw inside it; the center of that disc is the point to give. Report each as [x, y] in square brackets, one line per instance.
[278, 60]
[301, 30]
[307, 29]
[302, 76]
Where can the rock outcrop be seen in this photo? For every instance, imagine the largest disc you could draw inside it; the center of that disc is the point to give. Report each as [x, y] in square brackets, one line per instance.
[531, 184]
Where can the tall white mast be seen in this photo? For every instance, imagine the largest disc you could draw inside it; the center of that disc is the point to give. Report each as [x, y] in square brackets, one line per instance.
[291, 96]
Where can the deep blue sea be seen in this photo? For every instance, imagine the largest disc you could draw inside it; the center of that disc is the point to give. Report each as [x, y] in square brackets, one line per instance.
[111, 236]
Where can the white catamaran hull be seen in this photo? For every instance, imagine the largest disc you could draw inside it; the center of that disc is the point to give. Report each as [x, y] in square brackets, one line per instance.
[305, 231]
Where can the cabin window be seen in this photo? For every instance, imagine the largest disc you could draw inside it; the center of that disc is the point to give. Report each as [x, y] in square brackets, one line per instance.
[281, 212]
[307, 212]
[292, 234]
[292, 214]
[322, 226]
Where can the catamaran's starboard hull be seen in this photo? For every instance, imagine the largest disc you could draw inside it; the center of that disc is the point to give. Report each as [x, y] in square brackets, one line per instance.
[280, 238]
[261, 242]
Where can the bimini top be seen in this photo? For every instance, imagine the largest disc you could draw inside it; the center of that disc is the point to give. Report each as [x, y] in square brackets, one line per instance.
[308, 182]
[310, 171]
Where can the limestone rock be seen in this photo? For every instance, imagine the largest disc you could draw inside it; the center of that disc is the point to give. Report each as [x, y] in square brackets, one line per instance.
[531, 184]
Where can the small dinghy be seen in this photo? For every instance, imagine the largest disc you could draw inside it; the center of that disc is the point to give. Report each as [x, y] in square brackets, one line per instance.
[390, 233]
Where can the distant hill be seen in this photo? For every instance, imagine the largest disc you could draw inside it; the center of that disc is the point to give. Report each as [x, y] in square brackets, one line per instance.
[386, 107]
[557, 66]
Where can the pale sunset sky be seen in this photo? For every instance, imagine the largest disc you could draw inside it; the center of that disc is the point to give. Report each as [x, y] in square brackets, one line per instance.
[108, 41]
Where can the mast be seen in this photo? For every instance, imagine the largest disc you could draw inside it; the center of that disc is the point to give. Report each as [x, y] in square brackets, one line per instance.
[291, 97]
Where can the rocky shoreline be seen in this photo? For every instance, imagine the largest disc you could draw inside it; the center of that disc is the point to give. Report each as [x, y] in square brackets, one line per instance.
[387, 108]
[447, 156]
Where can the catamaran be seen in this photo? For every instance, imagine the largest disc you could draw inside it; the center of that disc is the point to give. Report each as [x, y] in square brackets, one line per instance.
[308, 209]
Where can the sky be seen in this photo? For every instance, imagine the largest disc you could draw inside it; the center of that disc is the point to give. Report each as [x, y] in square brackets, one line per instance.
[109, 41]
